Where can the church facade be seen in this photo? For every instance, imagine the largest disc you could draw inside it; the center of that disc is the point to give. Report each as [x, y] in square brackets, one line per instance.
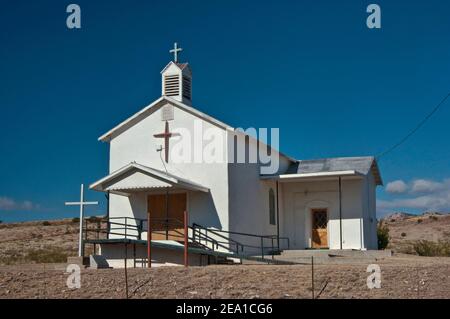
[162, 164]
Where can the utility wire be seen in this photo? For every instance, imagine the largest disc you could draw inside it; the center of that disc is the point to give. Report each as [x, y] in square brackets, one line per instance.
[393, 147]
[162, 161]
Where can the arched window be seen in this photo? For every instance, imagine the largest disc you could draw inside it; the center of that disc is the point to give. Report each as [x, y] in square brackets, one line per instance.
[272, 207]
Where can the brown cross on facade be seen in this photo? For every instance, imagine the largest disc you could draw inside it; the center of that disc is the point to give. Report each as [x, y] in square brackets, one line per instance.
[166, 136]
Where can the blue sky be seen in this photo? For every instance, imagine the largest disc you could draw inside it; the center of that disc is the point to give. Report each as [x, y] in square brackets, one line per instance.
[311, 68]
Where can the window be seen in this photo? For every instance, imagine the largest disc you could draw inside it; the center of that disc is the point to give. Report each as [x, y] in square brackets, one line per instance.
[272, 207]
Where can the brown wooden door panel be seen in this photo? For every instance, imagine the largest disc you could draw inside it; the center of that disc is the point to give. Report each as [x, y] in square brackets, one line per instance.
[319, 228]
[158, 215]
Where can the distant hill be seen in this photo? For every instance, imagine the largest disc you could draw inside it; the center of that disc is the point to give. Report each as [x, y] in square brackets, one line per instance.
[406, 229]
[397, 216]
[404, 215]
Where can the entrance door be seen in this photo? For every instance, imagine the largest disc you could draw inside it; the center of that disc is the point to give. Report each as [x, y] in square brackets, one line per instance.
[319, 228]
[174, 228]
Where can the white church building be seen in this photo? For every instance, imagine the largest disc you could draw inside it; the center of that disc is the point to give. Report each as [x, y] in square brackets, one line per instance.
[163, 163]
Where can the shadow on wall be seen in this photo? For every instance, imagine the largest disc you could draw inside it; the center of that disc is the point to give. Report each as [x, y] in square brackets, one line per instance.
[203, 211]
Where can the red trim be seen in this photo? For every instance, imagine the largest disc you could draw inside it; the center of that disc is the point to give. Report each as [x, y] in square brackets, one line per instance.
[186, 256]
[149, 242]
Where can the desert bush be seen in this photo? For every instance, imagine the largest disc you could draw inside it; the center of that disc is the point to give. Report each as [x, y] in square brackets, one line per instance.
[434, 218]
[419, 220]
[403, 234]
[75, 220]
[94, 219]
[408, 249]
[36, 236]
[46, 223]
[46, 256]
[432, 249]
[383, 236]
[10, 257]
[9, 260]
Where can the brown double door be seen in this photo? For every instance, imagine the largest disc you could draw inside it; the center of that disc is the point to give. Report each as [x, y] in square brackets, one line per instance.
[319, 228]
[167, 216]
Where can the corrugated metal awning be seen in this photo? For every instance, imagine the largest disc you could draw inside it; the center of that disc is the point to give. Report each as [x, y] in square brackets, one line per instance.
[136, 177]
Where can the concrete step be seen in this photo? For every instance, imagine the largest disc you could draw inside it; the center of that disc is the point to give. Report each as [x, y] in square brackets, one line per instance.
[365, 254]
[332, 256]
[326, 260]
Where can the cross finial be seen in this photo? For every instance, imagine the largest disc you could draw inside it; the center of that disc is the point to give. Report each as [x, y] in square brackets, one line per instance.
[175, 51]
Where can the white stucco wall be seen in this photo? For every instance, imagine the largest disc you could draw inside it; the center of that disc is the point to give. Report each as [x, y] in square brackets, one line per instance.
[115, 256]
[138, 144]
[370, 220]
[300, 197]
[249, 197]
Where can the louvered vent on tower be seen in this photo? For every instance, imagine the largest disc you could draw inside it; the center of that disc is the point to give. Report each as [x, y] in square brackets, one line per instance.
[176, 82]
[172, 85]
[187, 88]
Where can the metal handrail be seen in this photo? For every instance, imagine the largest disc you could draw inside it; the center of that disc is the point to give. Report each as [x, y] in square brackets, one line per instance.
[262, 237]
[200, 234]
[228, 240]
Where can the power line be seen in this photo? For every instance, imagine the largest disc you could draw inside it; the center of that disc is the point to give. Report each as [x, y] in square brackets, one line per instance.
[403, 140]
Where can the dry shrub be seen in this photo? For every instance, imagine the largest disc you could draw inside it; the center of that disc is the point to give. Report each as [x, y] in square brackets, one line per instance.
[383, 236]
[49, 255]
[432, 249]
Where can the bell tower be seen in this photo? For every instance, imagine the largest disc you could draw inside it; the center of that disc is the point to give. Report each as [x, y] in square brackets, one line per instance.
[177, 79]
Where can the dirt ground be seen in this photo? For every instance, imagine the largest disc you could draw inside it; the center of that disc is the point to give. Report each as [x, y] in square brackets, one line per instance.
[27, 271]
[40, 241]
[401, 277]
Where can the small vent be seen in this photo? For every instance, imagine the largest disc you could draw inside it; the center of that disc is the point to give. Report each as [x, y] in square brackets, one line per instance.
[171, 85]
[187, 87]
[167, 113]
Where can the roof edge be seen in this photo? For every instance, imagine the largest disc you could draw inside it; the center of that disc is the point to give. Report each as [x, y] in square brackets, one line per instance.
[107, 136]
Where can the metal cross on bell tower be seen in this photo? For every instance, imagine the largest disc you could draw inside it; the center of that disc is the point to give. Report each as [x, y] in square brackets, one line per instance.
[175, 51]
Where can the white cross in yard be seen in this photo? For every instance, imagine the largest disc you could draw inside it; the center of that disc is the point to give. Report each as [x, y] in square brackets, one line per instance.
[81, 203]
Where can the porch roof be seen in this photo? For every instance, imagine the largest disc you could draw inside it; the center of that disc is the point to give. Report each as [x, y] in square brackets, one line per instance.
[333, 167]
[136, 177]
[312, 176]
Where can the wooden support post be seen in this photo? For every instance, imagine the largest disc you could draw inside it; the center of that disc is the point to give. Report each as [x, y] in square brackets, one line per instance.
[134, 255]
[186, 247]
[262, 248]
[126, 271]
[312, 277]
[340, 211]
[149, 242]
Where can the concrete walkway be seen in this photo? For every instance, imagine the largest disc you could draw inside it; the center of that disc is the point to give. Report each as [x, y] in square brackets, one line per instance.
[332, 256]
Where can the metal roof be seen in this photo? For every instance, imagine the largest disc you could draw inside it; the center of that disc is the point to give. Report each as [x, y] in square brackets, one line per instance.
[136, 177]
[361, 165]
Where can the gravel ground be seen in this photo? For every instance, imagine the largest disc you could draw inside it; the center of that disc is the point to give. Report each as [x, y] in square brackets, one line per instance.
[402, 277]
